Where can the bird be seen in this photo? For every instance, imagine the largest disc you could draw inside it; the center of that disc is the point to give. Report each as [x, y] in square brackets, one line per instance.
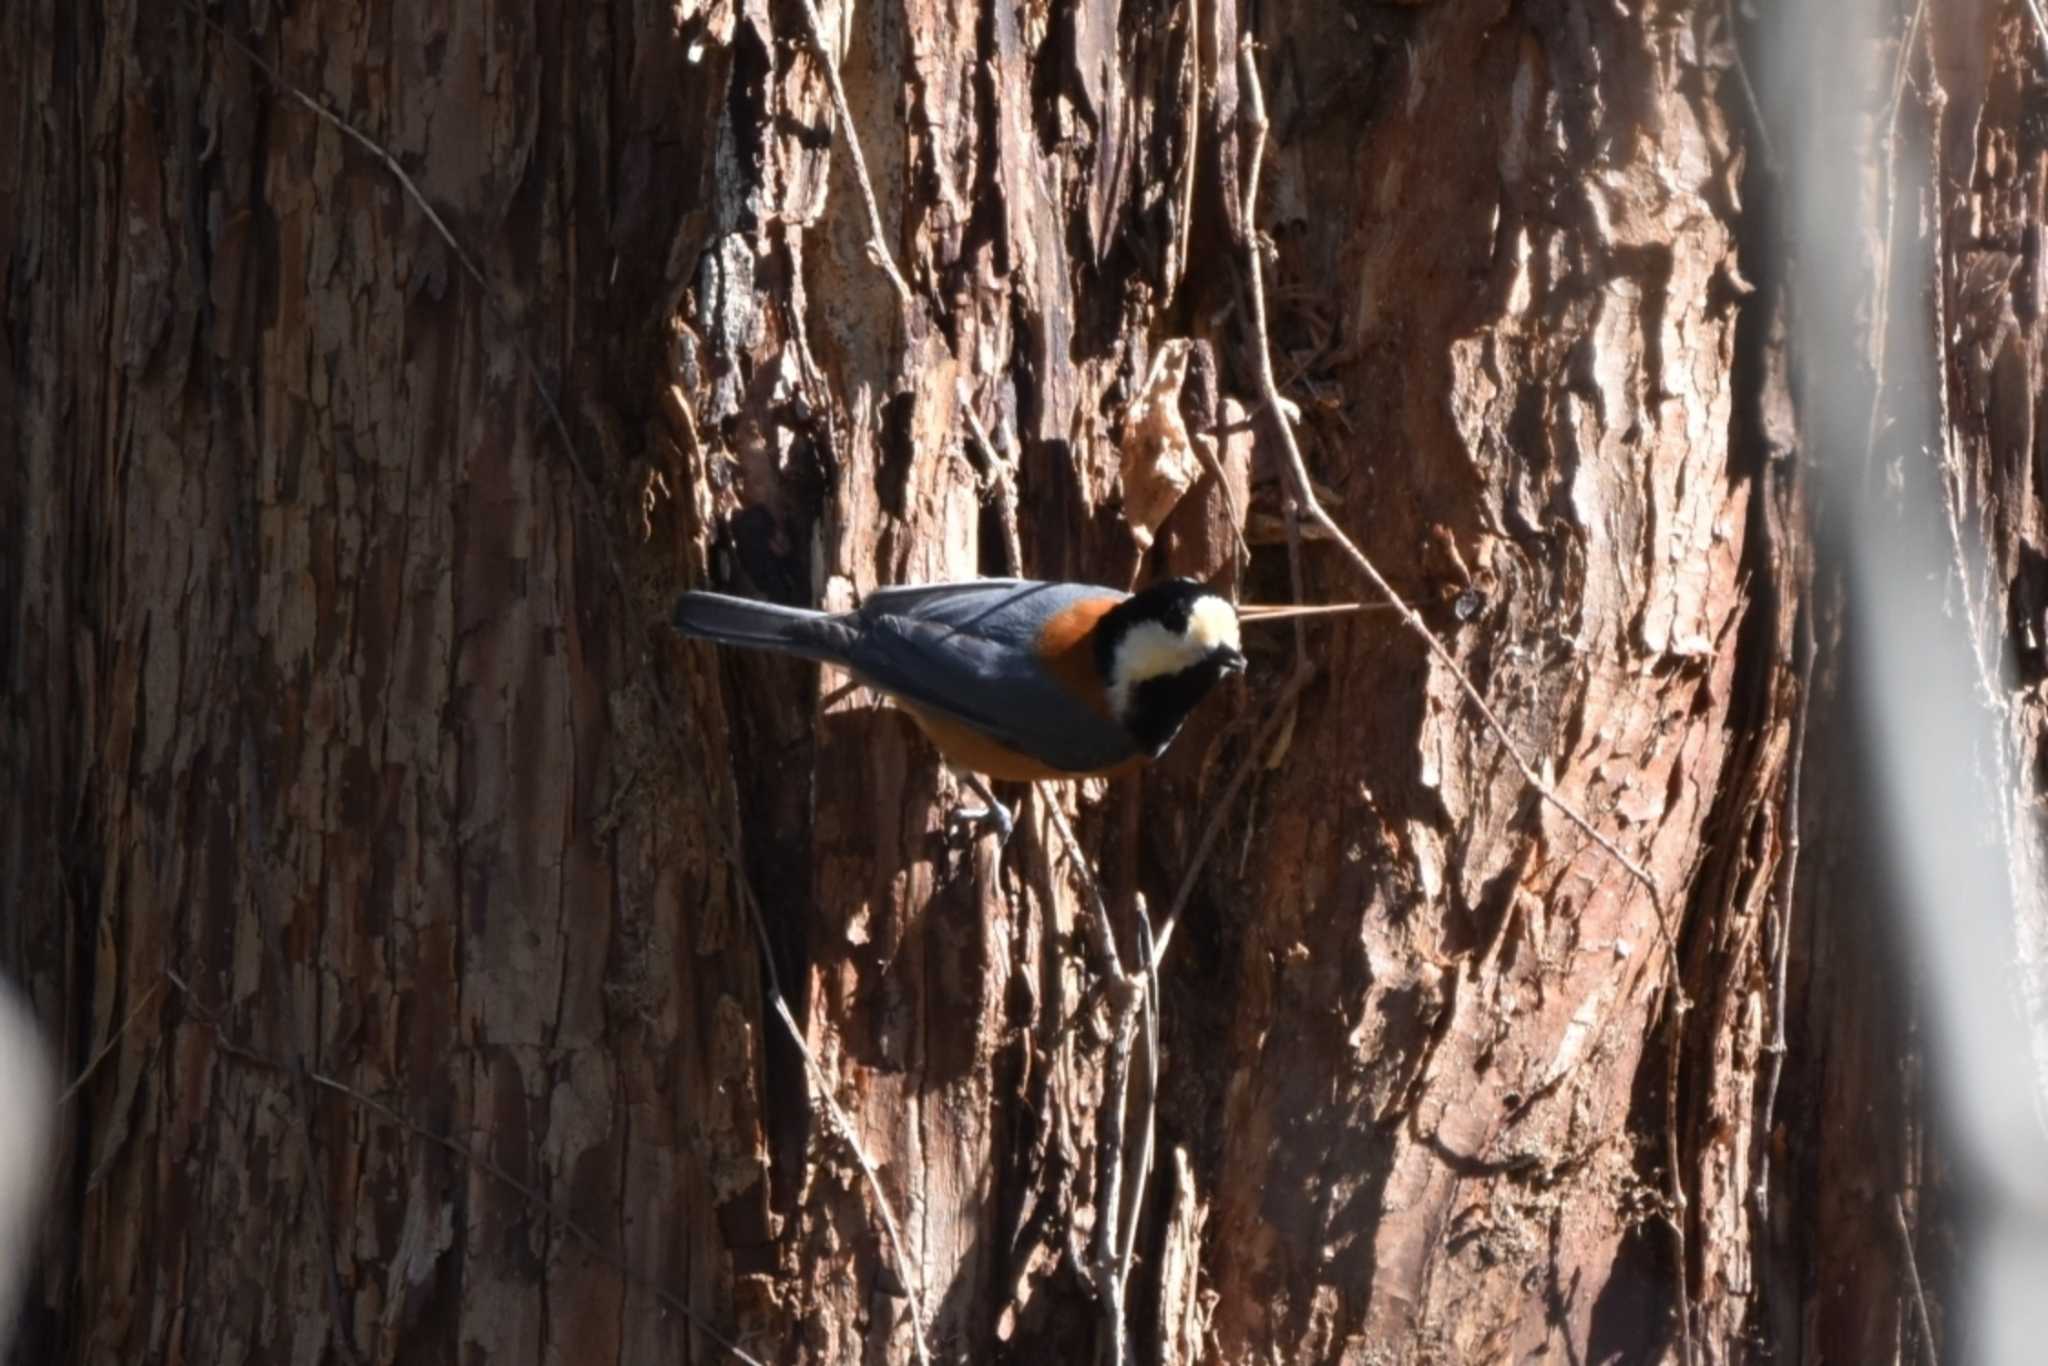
[1012, 679]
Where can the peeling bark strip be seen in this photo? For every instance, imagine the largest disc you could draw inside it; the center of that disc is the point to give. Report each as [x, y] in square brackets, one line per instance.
[344, 710]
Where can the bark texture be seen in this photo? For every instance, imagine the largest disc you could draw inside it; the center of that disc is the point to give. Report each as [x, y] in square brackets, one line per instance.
[400, 859]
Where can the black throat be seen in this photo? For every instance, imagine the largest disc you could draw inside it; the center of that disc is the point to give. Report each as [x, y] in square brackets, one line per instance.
[1159, 705]
[1155, 708]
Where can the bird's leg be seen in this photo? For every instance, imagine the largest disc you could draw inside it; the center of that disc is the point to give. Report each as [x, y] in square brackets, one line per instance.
[991, 811]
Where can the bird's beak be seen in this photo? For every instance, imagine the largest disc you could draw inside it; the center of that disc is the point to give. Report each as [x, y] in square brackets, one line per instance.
[1232, 661]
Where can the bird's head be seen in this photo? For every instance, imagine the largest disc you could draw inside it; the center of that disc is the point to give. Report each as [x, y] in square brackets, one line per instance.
[1161, 651]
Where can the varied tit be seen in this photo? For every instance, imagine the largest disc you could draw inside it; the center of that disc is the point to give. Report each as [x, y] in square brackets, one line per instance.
[1012, 678]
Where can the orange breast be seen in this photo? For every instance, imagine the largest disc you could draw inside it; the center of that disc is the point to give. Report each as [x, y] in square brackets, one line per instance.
[1066, 646]
[965, 747]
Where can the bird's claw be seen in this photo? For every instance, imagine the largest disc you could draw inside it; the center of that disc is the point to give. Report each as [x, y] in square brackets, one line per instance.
[991, 812]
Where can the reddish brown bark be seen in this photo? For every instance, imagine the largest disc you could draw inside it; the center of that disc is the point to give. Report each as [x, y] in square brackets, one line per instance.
[338, 672]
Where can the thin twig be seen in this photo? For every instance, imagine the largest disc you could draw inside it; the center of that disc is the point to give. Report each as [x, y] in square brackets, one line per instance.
[1788, 866]
[425, 206]
[1680, 1212]
[913, 1284]
[843, 1125]
[211, 1019]
[1101, 933]
[1261, 744]
[1256, 755]
[113, 1039]
[1109, 1173]
[1881, 311]
[878, 247]
[999, 478]
[1191, 121]
[1913, 1281]
[567, 1222]
[1756, 106]
[1105, 1265]
[1291, 505]
[1254, 612]
[1141, 1172]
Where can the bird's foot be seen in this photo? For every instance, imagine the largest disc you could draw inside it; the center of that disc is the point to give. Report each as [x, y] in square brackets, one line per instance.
[991, 812]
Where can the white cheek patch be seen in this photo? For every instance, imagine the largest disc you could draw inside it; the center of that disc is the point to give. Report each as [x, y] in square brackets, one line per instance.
[1213, 623]
[1148, 650]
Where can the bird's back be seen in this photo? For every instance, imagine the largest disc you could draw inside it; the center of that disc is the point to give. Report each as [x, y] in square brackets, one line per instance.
[969, 654]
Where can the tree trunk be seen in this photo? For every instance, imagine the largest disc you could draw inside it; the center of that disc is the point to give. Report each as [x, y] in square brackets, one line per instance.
[418, 909]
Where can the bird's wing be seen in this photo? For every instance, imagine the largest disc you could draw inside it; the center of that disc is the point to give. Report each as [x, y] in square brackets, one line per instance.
[903, 599]
[993, 684]
[1008, 610]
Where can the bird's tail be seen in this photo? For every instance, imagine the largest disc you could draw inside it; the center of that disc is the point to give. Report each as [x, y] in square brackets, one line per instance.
[761, 626]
